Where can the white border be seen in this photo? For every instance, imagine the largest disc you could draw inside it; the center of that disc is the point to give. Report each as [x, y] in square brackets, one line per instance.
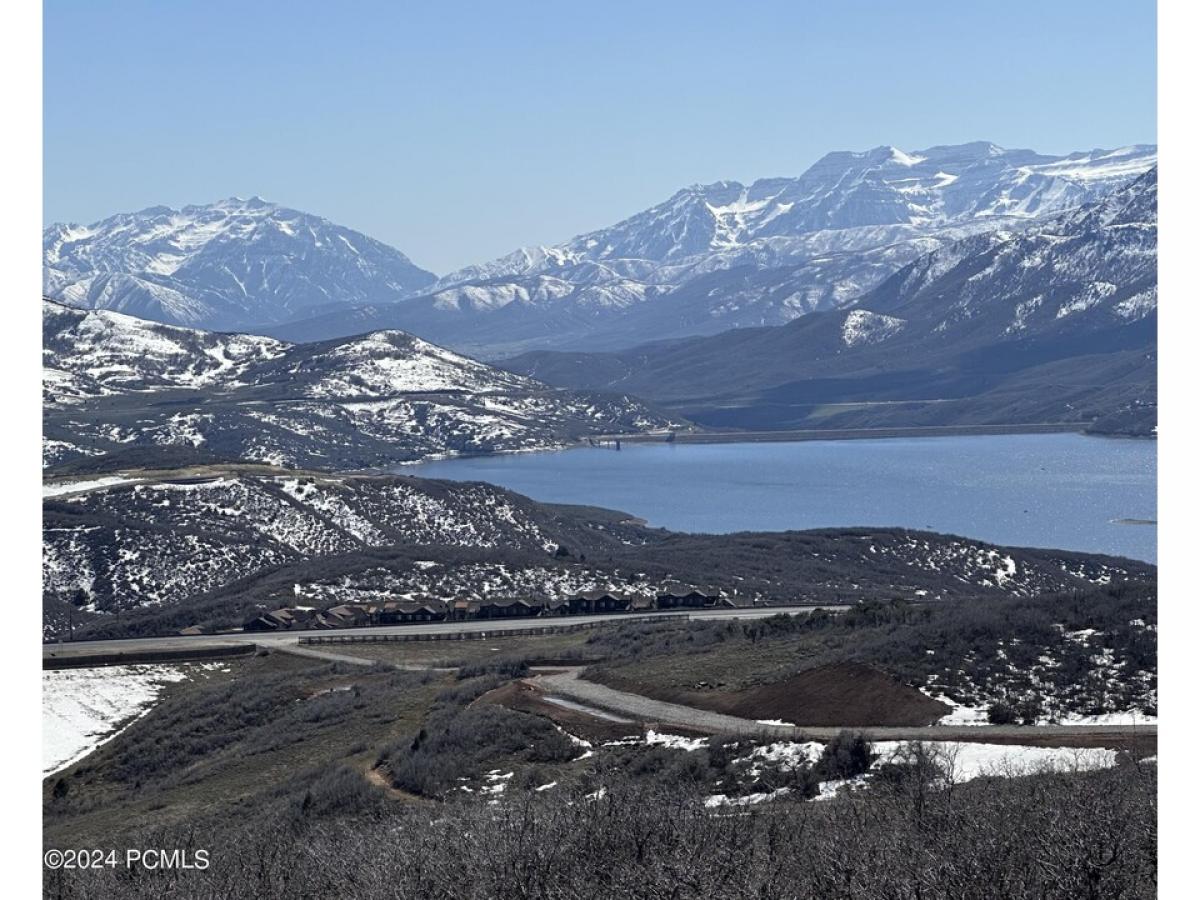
[20, 75]
[20, 257]
[1179, 330]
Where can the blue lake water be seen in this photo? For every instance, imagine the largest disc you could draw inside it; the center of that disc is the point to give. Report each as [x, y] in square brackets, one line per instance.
[1047, 490]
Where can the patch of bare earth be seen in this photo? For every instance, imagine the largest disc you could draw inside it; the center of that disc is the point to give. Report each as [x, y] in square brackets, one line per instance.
[843, 694]
[527, 698]
[376, 778]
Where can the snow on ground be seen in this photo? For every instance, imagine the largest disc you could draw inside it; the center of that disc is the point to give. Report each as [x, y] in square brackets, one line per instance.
[1128, 717]
[965, 760]
[82, 708]
[67, 487]
[791, 752]
[714, 800]
[827, 790]
[960, 714]
[675, 741]
[960, 760]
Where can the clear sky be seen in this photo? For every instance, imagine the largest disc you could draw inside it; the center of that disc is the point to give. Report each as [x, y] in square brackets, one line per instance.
[460, 131]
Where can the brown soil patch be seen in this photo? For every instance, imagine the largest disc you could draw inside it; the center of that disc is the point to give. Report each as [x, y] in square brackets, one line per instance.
[843, 694]
[379, 780]
[524, 697]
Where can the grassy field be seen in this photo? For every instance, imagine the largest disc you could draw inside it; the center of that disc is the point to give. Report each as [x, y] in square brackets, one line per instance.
[451, 654]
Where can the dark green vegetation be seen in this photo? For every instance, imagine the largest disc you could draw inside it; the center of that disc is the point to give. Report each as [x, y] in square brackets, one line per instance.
[1056, 324]
[217, 547]
[458, 744]
[1027, 658]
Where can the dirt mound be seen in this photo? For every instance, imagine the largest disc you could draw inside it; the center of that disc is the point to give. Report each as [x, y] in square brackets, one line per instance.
[843, 694]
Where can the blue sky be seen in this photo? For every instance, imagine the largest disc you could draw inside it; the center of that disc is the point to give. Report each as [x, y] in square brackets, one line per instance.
[460, 131]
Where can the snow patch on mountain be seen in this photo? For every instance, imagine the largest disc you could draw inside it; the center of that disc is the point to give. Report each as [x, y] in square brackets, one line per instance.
[862, 326]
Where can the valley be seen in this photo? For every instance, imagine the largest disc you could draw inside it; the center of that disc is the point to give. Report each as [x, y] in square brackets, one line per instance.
[836, 525]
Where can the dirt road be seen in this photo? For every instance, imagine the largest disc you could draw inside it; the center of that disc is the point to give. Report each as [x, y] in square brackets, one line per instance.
[568, 684]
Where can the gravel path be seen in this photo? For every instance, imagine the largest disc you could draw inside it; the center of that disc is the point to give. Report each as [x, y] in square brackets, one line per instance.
[324, 655]
[569, 684]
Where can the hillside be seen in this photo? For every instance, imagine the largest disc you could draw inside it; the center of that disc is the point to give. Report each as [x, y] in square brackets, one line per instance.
[119, 390]
[1053, 323]
[158, 552]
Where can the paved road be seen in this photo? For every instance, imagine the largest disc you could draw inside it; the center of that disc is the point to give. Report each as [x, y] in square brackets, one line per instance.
[568, 684]
[173, 643]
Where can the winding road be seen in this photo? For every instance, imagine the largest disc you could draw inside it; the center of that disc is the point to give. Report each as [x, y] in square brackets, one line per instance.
[568, 684]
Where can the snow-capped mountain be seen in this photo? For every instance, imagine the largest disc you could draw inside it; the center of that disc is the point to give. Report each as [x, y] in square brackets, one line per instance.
[1055, 322]
[880, 189]
[233, 264]
[114, 384]
[729, 255]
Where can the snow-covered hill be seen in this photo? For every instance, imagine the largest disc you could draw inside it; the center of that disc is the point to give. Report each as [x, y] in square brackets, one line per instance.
[114, 383]
[727, 255]
[217, 547]
[233, 264]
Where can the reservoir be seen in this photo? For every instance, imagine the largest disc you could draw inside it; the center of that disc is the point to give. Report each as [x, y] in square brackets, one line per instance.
[1065, 491]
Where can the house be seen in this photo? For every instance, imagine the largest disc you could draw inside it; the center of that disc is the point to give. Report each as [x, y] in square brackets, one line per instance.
[678, 596]
[348, 615]
[276, 620]
[397, 612]
[261, 623]
[504, 609]
[642, 603]
[598, 601]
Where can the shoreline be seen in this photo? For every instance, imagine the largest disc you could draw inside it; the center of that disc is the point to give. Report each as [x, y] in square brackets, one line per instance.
[848, 434]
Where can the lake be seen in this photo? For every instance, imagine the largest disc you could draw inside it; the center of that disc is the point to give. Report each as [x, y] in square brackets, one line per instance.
[1065, 491]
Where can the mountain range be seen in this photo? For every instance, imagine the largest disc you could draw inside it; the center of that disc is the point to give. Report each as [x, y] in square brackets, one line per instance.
[119, 391]
[707, 259]
[1055, 322]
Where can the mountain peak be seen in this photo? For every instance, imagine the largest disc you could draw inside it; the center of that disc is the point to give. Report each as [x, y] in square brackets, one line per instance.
[214, 266]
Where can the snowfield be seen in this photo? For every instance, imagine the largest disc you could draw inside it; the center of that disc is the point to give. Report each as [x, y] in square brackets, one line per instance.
[84, 708]
[959, 761]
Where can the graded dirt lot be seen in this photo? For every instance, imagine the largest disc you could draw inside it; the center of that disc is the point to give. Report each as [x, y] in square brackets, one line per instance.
[845, 694]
